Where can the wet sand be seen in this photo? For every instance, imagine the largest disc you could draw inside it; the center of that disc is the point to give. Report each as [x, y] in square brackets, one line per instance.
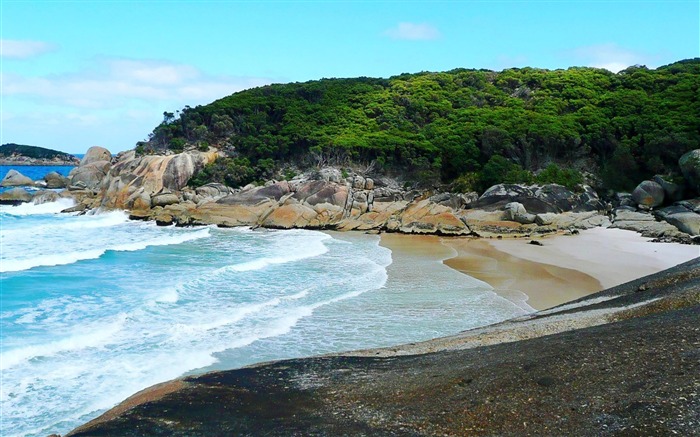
[564, 268]
[539, 285]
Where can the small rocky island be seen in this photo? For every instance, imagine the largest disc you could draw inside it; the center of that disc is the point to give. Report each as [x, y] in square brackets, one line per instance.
[17, 154]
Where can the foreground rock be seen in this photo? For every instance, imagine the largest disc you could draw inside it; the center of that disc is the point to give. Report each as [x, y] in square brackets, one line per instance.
[13, 178]
[621, 362]
[15, 196]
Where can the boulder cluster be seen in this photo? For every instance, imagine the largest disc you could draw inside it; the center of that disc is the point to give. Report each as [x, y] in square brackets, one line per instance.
[154, 187]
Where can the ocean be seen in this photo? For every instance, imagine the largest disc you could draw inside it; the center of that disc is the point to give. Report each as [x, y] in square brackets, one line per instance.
[34, 172]
[96, 307]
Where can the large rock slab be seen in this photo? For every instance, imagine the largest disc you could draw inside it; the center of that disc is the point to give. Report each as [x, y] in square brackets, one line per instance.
[256, 195]
[213, 190]
[230, 215]
[425, 217]
[290, 216]
[13, 178]
[685, 219]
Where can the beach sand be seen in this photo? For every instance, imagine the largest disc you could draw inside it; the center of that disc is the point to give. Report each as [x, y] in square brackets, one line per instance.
[564, 268]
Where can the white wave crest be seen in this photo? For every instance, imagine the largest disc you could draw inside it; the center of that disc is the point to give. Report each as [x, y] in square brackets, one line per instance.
[94, 337]
[26, 209]
[59, 259]
[310, 250]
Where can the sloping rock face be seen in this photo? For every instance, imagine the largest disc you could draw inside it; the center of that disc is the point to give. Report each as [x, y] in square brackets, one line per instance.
[539, 199]
[13, 178]
[133, 181]
[256, 195]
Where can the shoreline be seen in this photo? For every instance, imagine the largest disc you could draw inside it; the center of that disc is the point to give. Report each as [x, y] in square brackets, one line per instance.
[578, 369]
[565, 268]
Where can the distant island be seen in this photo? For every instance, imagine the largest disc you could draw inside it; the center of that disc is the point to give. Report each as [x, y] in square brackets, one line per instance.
[18, 154]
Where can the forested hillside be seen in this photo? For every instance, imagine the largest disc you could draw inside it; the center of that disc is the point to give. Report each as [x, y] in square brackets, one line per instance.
[475, 127]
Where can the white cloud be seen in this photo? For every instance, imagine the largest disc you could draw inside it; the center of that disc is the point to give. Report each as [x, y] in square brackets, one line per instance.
[113, 102]
[413, 31]
[111, 83]
[609, 56]
[23, 49]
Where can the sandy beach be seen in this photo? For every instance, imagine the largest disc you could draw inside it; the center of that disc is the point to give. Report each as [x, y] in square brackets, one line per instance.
[564, 268]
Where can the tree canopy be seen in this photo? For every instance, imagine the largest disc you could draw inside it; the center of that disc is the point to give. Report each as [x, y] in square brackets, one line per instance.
[461, 124]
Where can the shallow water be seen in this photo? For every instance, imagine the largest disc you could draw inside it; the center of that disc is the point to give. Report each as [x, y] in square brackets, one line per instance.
[97, 307]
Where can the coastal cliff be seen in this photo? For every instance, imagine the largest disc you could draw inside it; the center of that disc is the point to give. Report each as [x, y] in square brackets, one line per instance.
[621, 361]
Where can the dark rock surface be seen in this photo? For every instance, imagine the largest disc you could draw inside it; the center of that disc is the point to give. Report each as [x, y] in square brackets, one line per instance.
[257, 194]
[625, 361]
[539, 199]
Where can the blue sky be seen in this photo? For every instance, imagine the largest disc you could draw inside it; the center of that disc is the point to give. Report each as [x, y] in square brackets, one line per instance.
[82, 73]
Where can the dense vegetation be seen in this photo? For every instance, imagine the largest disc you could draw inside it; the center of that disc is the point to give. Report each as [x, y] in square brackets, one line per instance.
[10, 149]
[470, 127]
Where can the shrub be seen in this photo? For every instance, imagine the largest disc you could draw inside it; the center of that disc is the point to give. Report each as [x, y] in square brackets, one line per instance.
[553, 174]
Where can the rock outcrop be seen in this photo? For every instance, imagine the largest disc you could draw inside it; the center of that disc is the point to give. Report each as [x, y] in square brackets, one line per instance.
[154, 187]
[137, 182]
[539, 199]
[92, 169]
[13, 178]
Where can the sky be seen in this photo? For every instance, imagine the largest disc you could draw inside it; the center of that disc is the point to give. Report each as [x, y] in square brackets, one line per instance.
[75, 74]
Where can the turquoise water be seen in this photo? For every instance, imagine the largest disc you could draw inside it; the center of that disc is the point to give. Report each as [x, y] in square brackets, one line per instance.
[34, 172]
[95, 308]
